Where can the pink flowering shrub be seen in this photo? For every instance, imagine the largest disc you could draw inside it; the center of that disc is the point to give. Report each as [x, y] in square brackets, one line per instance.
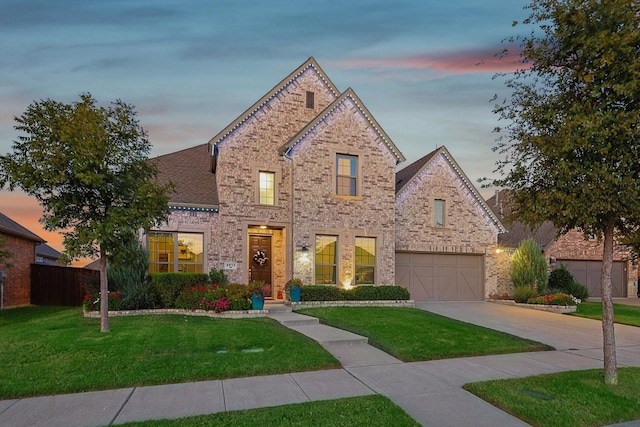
[207, 297]
[92, 302]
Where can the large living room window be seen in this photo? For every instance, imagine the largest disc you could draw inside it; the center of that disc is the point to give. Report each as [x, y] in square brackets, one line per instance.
[365, 260]
[171, 252]
[267, 188]
[346, 175]
[326, 256]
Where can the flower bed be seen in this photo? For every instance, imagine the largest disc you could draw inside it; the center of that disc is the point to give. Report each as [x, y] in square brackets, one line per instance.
[230, 314]
[374, 303]
[560, 309]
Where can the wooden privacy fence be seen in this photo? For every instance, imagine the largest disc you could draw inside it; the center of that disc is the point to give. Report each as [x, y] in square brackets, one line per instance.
[54, 285]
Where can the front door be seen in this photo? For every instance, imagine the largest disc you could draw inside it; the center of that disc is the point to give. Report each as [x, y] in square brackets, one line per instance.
[260, 260]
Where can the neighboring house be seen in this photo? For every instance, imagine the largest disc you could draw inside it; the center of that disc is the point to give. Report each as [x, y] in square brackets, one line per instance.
[303, 184]
[45, 254]
[21, 243]
[583, 257]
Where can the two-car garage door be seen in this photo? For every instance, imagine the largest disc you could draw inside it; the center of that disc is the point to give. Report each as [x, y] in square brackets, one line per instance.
[588, 273]
[452, 277]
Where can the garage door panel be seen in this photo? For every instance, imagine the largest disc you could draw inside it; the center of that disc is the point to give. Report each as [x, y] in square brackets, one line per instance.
[588, 273]
[441, 276]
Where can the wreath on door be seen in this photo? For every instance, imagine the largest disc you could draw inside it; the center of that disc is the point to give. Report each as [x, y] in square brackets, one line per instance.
[260, 258]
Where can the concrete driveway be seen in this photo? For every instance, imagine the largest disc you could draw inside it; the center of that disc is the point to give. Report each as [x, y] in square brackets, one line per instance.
[561, 331]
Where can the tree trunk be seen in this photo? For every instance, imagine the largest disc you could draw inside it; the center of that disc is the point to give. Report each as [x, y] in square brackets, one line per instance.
[608, 334]
[104, 293]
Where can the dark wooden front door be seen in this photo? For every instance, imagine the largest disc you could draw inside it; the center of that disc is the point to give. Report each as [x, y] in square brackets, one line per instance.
[257, 270]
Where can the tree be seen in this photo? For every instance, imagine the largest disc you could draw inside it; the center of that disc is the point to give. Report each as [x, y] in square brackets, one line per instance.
[572, 138]
[88, 168]
[528, 266]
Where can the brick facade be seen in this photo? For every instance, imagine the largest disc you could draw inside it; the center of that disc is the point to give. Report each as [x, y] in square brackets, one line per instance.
[298, 143]
[468, 229]
[17, 286]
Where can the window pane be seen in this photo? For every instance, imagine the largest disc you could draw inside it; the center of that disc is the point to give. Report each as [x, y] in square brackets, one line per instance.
[438, 213]
[346, 175]
[365, 260]
[267, 188]
[325, 260]
[170, 252]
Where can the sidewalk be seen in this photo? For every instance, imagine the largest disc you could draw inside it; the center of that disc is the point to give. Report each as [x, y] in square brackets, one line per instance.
[428, 391]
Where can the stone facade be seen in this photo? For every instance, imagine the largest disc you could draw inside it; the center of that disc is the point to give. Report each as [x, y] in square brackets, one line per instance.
[468, 227]
[297, 142]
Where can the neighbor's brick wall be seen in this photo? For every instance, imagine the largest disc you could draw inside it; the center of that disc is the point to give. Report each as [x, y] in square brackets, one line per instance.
[17, 286]
[317, 210]
[253, 147]
[467, 228]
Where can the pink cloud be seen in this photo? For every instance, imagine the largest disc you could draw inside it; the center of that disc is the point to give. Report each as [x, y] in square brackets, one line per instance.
[461, 62]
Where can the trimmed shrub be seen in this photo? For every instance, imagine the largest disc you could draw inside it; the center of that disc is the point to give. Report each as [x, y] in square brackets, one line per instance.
[561, 278]
[358, 293]
[202, 297]
[523, 294]
[577, 290]
[321, 293]
[169, 285]
[528, 266]
[377, 293]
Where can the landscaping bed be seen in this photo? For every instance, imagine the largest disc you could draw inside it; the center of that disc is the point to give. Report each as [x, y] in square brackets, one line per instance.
[560, 309]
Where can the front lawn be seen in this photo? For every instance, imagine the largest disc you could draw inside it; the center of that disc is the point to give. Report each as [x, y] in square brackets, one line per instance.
[52, 350]
[364, 411]
[566, 399]
[622, 313]
[414, 335]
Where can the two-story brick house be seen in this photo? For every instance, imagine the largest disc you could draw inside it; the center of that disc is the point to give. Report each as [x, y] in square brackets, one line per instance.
[302, 184]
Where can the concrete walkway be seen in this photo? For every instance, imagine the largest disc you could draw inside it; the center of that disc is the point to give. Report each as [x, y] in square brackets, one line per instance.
[428, 391]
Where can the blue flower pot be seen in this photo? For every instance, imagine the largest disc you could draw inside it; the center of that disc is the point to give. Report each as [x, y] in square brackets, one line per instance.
[257, 302]
[294, 293]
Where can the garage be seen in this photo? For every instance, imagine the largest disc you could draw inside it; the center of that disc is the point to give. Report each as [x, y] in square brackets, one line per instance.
[444, 277]
[588, 273]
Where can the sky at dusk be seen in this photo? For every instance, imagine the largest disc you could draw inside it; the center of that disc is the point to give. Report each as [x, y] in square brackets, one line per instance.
[423, 68]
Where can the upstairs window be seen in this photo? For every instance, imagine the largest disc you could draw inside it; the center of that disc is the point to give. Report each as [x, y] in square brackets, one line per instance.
[311, 100]
[438, 213]
[346, 175]
[266, 188]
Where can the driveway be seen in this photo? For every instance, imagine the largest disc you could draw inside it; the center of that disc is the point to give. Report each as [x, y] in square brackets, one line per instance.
[564, 332]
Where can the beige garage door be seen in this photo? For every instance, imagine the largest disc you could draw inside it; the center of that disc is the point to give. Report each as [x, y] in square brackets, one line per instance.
[441, 277]
[588, 274]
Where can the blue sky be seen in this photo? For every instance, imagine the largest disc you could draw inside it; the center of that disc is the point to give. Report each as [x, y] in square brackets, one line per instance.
[423, 68]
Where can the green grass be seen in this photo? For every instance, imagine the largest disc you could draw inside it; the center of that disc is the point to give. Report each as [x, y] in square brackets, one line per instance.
[413, 335]
[51, 350]
[355, 411]
[567, 399]
[624, 314]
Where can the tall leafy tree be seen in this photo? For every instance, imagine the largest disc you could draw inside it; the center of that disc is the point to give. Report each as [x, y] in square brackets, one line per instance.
[572, 137]
[88, 168]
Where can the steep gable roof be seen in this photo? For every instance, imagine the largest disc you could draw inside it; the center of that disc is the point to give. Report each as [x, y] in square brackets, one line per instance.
[9, 226]
[311, 62]
[195, 186]
[411, 172]
[347, 94]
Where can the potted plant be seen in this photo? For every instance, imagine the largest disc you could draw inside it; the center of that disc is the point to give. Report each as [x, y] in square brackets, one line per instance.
[256, 290]
[293, 288]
